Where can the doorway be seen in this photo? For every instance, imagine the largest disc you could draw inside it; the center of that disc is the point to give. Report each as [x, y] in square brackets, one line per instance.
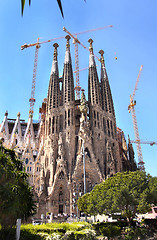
[61, 209]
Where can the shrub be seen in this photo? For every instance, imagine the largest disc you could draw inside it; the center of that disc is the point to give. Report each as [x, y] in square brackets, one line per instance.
[134, 233]
[107, 229]
[85, 234]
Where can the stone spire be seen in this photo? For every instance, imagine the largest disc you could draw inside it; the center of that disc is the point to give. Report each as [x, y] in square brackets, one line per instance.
[29, 130]
[54, 68]
[17, 130]
[93, 81]
[4, 126]
[107, 102]
[68, 81]
[53, 91]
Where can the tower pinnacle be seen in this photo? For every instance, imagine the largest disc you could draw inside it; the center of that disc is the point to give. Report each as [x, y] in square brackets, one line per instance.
[55, 54]
[68, 38]
[102, 56]
[90, 46]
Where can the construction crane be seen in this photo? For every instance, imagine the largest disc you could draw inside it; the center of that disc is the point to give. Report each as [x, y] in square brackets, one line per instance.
[151, 143]
[137, 137]
[37, 45]
[76, 42]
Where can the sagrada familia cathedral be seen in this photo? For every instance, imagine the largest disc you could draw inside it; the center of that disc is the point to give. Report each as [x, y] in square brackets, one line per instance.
[76, 144]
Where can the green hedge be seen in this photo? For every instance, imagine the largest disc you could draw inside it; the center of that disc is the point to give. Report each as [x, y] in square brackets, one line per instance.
[76, 230]
[107, 229]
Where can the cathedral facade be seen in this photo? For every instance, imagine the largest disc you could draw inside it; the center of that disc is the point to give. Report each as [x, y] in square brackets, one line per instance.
[76, 144]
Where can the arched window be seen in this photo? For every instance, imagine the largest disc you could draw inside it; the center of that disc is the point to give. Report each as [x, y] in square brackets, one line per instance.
[26, 161]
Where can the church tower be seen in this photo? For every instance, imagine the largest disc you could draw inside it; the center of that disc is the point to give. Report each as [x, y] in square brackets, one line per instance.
[76, 144]
[112, 158]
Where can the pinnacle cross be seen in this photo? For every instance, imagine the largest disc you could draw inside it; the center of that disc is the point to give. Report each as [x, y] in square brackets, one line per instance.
[90, 46]
[102, 56]
[55, 45]
[68, 38]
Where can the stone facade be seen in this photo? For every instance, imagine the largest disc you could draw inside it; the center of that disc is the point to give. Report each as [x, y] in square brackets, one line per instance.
[76, 145]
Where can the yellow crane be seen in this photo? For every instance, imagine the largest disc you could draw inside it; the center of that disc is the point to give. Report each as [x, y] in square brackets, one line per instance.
[37, 45]
[151, 143]
[137, 137]
[76, 42]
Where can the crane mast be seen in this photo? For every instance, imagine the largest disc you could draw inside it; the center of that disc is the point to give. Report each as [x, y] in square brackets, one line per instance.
[136, 132]
[37, 45]
[76, 42]
[32, 99]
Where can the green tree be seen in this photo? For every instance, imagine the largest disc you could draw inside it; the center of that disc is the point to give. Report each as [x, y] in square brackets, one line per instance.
[126, 192]
[16, 196]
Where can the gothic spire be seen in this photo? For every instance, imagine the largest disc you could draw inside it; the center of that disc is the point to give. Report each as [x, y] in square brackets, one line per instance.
[68, 81]
[93, 81]
[53, 91]
[107, 101]
[4, 127]
[17, 129]
[29, 133]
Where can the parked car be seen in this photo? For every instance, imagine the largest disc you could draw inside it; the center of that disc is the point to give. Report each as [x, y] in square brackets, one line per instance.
[150, 215]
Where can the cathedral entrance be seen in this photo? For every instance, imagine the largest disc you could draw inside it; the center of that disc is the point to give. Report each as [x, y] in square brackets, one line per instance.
[61, 209]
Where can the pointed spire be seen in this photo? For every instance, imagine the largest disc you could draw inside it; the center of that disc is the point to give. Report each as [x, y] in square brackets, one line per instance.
[103, 69]
[16, 129]
[93, 81]
[68, 81]
[29, 130]
[4, 126]
[107, 101]
[53, 90]
[54, 68]
[67, 54]
[91, 56]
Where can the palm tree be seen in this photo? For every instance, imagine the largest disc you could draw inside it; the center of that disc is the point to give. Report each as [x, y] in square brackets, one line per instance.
[58, 1]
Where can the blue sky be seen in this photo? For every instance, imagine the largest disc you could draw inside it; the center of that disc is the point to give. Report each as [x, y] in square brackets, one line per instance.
[133, 38]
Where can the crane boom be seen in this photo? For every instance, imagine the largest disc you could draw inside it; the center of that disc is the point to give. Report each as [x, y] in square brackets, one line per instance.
[37, 45]
[76, 42]
[136, 132]
[93, 30]
[144, 142]
[139, 74]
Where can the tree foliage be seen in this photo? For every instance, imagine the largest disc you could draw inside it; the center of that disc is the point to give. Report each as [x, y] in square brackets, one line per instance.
[16, 196]
[126, 192]
[23, 5]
